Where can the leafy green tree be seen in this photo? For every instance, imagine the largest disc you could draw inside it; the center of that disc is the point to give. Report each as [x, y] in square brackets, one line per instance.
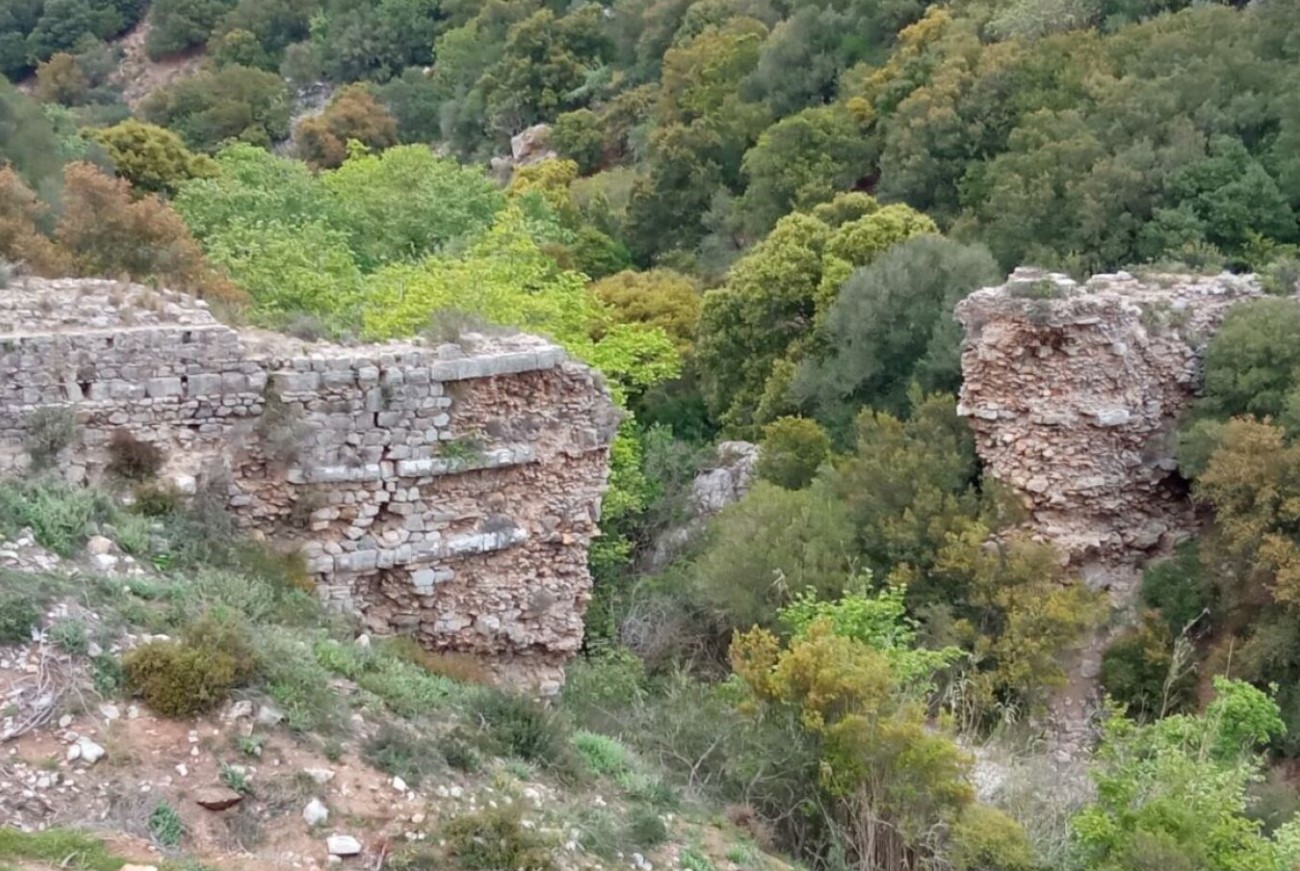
[578, 136]
[891, 326]
[274, 24]
[239, 48]
[210, 108]
[801, 161]
[407, 202]
[353, 114]
[415, 102]
[1252, 364]
[756, 328]
[793, 448]
[152, 158]
[769, 547]
[179, 25]
[545, 60]
[1172, 794]
[659, 298]
[17, 20]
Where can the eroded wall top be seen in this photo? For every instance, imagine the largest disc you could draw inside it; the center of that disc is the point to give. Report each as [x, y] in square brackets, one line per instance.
[1074, 392]
[445, 491]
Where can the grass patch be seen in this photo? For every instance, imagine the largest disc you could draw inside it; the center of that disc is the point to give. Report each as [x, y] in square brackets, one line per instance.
[62, 517]
[63, 848]
[511, 725]
[407, 689]
[603, 754]
[403, 754]
[19, 615]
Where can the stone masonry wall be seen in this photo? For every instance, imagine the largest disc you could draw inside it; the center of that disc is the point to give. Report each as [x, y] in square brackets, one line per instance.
[1074, 393]
[447, 492]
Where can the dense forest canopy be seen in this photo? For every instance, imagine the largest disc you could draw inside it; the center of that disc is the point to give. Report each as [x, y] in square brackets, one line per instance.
[755, 216]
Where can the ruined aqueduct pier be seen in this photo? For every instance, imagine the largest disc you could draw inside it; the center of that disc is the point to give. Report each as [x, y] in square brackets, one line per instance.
[446, 492]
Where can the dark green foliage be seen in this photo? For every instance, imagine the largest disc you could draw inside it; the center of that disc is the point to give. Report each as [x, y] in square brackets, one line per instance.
[578, 135]
[415, 101]
[19, 615]
[645, 828]
[1139, 670]
[232, 103]
[178, 25]
[495, 838]
[1178, 589]
[891, 327]
[1253, 363]
[132, 459]
[166, 825]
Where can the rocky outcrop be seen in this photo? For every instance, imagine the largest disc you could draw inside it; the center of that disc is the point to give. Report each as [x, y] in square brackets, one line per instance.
[724, 483]
[449, 492]
[1074, 392]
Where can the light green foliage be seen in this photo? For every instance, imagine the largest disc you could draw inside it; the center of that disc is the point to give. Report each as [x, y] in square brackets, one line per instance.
[986, 839]
[255, 188]
[195, 674]
[65, 847]
[60, 516]
[50, 430]
[603, 755]
[70, 636]
[879, 621]
[403, 686]
[406, 203]
[1176, 789]
[151, 158]
[658, 298]
[880, 763]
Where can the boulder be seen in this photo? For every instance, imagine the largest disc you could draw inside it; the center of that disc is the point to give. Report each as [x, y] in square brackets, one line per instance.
[217, 798]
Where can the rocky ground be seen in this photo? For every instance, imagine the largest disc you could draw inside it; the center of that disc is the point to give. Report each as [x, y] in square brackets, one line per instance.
[240, 790]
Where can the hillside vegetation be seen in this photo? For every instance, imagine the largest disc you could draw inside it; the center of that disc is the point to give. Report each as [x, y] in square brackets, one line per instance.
[756, 219]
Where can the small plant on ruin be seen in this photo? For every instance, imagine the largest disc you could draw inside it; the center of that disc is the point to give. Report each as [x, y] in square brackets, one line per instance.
[132, 459]
[49, 431]
[1043, 288]
[464, 450]
[152, 499]
[281, 431]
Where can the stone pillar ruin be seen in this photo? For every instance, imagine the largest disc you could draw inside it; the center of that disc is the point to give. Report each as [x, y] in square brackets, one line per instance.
[449, 492]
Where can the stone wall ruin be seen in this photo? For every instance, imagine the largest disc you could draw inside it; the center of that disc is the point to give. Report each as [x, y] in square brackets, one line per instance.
[1074, 394]
[446, 492]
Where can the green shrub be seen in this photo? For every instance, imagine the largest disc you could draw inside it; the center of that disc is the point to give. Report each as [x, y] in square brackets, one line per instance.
[793, 448]
[402, 753]
[70, 635]
[290, 674]
[131, 459]
[57, 848]
[1139, 670]
[166, 826]
[408, 689]
[645, 828]
[603, 755]
[106, 675]
[60, 515]
[515, 726]
[236, 779]
[494, 839]
[49, 431]
[155, 500]
[187, 677]
[986, 839]
[19, 615]
[1177, 588]
[603, 682]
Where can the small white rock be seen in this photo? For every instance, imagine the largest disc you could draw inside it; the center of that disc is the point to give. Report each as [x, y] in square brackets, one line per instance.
[98, 545]
[399, 784]
[342, 845]
[320, 775]
[315, 813]
[109, 712]
[65, 721]
[363, 641]
[90, 751]
[182, 769]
